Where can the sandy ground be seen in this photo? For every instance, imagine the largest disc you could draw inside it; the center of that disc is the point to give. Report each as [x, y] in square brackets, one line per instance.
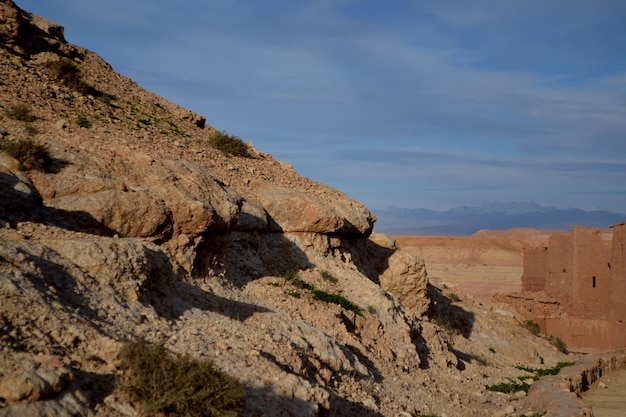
[480, 265]
[609, 401]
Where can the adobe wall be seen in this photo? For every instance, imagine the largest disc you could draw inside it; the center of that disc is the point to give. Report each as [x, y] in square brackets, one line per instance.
[560, 267]
[618, 279]
[535, 264]
[592, 274]
[576, 288]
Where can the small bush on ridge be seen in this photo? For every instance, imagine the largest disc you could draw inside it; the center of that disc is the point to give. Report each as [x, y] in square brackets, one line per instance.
[531, 326]
[230, 145]
[558, 343]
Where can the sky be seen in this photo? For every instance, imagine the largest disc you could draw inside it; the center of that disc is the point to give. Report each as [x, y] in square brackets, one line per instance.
[410, 103]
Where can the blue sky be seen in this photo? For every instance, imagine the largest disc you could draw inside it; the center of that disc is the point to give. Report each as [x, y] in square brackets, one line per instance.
[411, 103]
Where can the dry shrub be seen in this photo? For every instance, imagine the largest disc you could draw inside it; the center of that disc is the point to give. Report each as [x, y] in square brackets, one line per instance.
[177, 385]
[230, 145]
[29, 154]
[20, 112]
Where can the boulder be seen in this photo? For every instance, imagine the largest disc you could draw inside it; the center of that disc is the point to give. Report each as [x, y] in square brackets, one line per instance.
[325, 211]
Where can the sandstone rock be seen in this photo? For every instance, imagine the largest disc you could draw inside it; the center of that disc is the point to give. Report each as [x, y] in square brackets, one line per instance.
[29, 32]
[33, 382]
[130, 267]
[127, 213]
[20, 199]
[328, 212]
[406, 279]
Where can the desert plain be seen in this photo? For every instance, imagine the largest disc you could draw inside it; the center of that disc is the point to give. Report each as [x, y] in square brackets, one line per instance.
[483, 264]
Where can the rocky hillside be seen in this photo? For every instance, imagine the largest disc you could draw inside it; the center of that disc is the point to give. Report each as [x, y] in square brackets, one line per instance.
[121, 220]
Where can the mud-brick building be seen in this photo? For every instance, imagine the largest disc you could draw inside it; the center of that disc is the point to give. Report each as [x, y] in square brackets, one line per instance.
[575, 288]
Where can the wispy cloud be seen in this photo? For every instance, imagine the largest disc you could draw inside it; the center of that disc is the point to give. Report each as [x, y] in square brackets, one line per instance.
[446, 102]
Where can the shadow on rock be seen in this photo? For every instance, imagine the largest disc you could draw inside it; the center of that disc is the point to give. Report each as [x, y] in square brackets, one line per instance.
[22, 202]
[241, 257]
[54, 282]
[285, 407]
[370, 258]
[448, 315]
[171, 296]
[96, 386]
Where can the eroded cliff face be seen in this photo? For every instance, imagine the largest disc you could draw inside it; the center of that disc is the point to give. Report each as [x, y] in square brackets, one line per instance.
[141, 230]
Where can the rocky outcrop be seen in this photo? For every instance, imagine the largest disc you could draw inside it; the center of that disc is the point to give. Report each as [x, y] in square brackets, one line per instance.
[324, 210]
[27, 32]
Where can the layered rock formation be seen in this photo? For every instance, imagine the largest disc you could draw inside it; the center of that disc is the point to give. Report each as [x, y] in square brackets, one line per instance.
[140, 229]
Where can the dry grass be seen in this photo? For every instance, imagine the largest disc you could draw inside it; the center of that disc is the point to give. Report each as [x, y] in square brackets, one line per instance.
[29, 154]
[177, 385]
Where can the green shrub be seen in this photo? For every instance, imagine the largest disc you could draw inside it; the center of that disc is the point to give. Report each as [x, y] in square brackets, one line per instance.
[294, 294]
[31, 130]
[68, 74]
[558, 343]
[295, 280]
[531, 326]
[29, 154]
[20, 112]
[177, 385]
[508, 388]
[446, 326]
[230, 145]
[83, 121]
[543, 372]
[328, 276]
[336, 299]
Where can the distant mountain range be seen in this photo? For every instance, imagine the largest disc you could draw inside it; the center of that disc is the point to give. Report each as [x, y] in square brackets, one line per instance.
[466, 220]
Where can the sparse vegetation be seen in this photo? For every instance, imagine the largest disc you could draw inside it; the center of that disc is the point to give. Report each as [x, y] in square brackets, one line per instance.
[31, 130]
[66, 72]
[336, 299]
[230, 145]
[453, 297]
[558, 343]
[177, 385]
[294, 278]
[371, 309]
[328, 276]
[531, 326]
[20, 112]
[83, 121]
[509, 387]
[543, 372]
[446, 326]
[29, 154]
[294, 294]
